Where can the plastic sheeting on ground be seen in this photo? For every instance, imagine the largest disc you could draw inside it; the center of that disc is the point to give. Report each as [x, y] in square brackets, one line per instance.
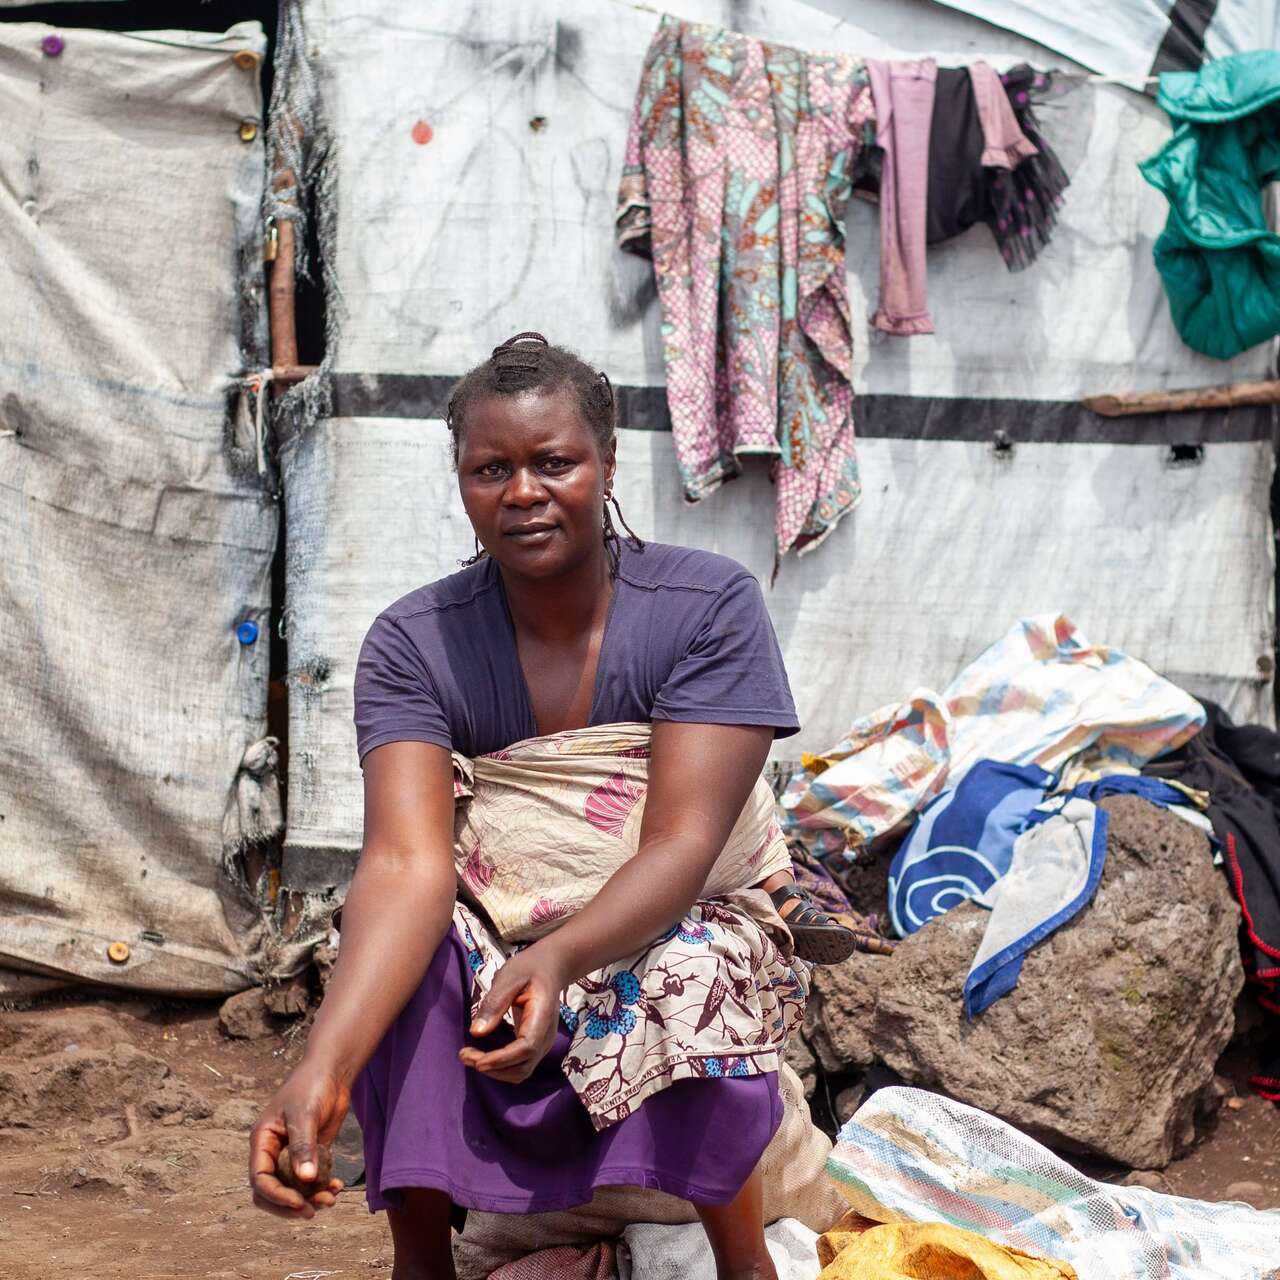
[136, 530]
[907, 1155]
[651, 1252]
[477, 156]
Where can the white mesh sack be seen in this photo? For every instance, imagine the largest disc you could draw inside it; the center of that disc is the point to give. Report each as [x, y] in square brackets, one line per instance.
[909, 1155]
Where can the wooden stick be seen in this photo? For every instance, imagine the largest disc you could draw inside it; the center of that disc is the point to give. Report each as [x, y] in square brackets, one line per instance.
[285, 375]
[284, 330]
[1125, 403]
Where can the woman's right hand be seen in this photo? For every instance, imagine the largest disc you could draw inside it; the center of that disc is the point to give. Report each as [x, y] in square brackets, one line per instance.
[305, 1113]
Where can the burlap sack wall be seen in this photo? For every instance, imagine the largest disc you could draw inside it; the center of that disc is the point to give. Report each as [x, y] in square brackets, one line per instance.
[136, 530]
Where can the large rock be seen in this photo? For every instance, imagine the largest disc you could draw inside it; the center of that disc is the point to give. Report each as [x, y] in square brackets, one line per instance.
[1116, 1023]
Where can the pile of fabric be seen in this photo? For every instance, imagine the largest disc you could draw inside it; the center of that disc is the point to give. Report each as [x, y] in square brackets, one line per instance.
[909, 1156]
[1238, 767]
[935, 1190]
[1042, 695]
[991, 791]
[741, 160]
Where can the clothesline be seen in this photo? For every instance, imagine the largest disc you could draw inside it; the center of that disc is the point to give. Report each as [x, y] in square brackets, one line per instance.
[1093, 79]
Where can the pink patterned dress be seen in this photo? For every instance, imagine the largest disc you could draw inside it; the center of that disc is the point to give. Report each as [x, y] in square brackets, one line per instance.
[738, 170]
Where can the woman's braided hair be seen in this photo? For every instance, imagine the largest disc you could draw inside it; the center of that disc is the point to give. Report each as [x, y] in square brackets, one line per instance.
[528, 362]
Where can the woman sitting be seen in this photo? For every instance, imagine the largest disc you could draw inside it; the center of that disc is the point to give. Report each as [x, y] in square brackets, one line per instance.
[557, 970]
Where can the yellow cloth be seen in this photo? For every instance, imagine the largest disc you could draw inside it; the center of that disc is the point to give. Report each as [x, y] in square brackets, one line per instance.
[925, 1251]
[1090, 766]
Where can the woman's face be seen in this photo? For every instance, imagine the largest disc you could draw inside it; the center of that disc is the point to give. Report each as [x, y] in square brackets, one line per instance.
[533, 481]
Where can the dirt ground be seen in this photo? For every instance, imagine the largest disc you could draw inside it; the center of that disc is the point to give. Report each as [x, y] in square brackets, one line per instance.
[123, 1127]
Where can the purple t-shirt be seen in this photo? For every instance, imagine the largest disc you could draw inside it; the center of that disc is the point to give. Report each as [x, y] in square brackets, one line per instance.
[688, 638]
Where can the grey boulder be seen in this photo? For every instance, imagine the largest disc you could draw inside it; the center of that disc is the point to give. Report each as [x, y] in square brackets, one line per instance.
[1112, 1033]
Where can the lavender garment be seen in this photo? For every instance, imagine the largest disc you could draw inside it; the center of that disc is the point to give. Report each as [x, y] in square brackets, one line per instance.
[1004, 145]
[903, 93]
[688, 638]
[428, 1121]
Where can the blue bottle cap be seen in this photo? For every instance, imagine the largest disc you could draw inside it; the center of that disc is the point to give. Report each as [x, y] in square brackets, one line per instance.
[247, 632]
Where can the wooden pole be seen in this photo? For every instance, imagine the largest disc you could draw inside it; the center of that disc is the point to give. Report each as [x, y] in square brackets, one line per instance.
[1124, 403]
[282, 302]
[285, 375]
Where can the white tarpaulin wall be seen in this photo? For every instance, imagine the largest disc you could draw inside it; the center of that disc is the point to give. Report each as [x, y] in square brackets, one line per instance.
[136, 532]
[1130, 39]
[479, 152]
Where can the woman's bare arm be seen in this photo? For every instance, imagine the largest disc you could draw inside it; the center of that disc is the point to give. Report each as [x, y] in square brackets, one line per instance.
[700, 777]
[400, 904]
[396, 914]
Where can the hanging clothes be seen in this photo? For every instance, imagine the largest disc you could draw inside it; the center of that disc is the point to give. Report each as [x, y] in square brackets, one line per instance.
[903, 96]
[1004, 145]
[735, 182]
[1024, 202]
[970, 149]
[1217, 255]
[981, 166]
[957, 185]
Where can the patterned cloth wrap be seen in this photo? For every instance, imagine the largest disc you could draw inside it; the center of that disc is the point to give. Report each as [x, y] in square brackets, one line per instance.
[737, 172]
[539, 827]
[1042, 694]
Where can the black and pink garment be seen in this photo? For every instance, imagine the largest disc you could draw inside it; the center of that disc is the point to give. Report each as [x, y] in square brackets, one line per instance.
[1239, 766]
[955, 146]
[1024, 202]
[1019, 204]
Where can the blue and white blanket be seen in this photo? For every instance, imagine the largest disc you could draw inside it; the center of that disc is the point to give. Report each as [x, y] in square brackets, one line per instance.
[998, 840]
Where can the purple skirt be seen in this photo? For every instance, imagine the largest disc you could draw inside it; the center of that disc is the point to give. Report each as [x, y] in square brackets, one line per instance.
[428, 1121]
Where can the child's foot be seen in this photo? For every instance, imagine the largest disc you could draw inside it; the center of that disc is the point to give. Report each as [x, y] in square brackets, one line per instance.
[821, 938]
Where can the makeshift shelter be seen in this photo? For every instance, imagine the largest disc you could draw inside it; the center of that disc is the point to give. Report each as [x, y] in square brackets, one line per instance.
[137, 527]
[462, 165]
[476, 159]
[1130, 41]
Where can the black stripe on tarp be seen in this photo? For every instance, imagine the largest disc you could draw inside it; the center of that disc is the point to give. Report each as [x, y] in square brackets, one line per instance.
[884, 417]
[1050, 422]
[1182, 48]
[315, 869]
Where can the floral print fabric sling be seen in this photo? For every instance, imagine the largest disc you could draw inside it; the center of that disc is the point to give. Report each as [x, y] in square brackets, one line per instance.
[540, 826]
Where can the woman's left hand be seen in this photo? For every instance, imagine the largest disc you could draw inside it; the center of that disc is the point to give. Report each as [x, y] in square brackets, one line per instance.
[529, 984]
